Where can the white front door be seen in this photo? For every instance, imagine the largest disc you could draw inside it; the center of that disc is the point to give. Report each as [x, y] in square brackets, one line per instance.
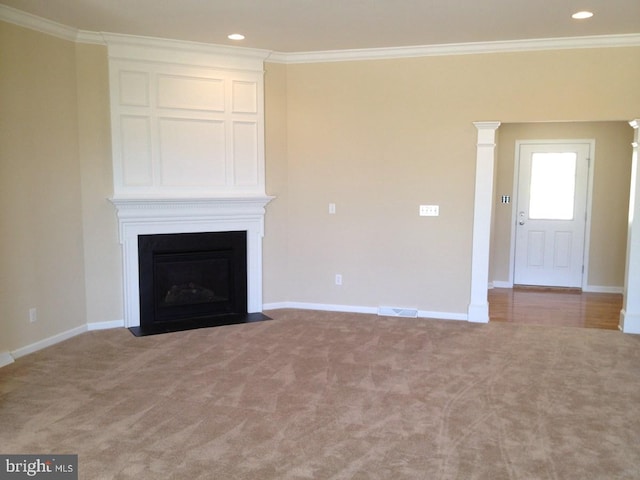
[551, 214]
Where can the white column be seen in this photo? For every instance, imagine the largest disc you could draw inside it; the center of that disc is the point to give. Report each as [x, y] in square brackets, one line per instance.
[485, 159]
[630, 314]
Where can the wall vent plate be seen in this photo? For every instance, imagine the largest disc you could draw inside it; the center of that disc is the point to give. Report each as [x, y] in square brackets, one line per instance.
[397, 312]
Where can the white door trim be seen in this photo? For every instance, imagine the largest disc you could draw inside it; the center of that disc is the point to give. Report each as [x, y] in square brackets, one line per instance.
[516, 172]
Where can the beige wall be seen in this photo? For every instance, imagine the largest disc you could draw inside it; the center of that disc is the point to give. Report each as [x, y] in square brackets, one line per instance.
[379, 138]
[275, 245]
[611, 180]
[102, 251]
[366, 136]
[41, 231]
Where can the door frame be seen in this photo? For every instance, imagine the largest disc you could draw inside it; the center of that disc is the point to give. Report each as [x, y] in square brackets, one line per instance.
[516, 175]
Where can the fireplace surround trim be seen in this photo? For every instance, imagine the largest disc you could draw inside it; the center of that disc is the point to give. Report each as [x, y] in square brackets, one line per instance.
[149, 216]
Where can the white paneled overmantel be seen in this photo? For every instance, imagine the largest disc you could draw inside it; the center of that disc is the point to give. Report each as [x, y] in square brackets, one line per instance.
[187, 124]
[187, 119]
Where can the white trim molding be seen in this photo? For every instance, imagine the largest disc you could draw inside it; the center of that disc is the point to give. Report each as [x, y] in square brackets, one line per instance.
[602, 289]
[39, 24]
[324, 307]
[47, 342]
[108, 325]
[6, 359]
[483, 203]
[586, 288]
[531, 45]
[65, 32]
[630, 314]
[163, 50]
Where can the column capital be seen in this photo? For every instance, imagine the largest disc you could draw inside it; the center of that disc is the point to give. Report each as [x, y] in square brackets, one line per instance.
[487, 125]
[487, 133]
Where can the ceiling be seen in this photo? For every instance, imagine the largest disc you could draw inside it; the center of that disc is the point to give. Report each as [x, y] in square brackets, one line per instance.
[320, 25]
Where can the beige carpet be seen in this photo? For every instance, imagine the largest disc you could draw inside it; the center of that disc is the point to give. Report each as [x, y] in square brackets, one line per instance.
[316, 395]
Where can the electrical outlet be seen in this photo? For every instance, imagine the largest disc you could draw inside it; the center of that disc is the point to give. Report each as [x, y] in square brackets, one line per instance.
[338, 279]
[33, 315]
[332, 208]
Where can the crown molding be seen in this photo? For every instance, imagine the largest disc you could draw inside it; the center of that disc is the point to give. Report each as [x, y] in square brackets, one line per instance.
[85, 36]
[33, 22]
[49, 27]
[598, 41]
[193, 53]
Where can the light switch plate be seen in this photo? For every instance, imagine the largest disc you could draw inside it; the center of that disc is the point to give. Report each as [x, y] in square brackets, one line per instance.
[429, 210]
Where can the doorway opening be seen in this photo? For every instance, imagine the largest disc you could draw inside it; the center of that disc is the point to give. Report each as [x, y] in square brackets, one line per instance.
[605, 256]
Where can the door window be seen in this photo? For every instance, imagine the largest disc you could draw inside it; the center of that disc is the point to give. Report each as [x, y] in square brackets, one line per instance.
[553, 185]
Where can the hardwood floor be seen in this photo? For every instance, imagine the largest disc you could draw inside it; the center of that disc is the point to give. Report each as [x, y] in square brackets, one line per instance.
[539, 306]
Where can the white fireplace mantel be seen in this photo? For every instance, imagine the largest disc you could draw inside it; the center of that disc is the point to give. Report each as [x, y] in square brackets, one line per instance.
[149, 216]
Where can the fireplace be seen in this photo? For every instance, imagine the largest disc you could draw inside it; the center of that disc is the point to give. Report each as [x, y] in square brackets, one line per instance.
[192, 219]
[192, 279]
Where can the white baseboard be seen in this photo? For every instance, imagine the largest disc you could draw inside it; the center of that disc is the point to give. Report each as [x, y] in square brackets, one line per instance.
[47, 342]
[105, 325]
[5, 359]
[8, 357]
[443, 315]
[587, 288]
[325, 307]
[629, 323]
[275, 305]
[358, 309]
[602, 289]
[500, 284]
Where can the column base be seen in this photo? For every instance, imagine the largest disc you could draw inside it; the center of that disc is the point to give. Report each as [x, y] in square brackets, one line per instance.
[478, 313]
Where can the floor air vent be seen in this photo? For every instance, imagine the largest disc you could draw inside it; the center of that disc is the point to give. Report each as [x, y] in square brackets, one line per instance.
[397, 312]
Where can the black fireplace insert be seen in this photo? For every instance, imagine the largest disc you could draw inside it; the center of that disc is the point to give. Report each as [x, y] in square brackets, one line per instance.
[192, 280]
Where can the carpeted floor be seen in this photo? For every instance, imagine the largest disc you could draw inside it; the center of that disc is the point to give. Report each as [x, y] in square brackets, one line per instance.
[318, 395]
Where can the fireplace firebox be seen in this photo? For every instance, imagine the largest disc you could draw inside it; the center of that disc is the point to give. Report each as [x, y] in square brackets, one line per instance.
[191, 280]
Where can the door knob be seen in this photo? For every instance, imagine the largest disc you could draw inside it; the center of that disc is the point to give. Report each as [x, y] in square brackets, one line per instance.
[521, 220]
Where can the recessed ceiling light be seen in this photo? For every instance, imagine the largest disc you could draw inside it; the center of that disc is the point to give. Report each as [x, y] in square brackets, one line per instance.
[582, 15]
[236, 36]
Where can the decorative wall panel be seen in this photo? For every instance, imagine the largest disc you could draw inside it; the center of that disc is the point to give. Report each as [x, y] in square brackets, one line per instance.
[191, 93]
[192, 152]
[135, 133]
[134, 89]
[186, 122]
[245, 153]
[245, 97]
